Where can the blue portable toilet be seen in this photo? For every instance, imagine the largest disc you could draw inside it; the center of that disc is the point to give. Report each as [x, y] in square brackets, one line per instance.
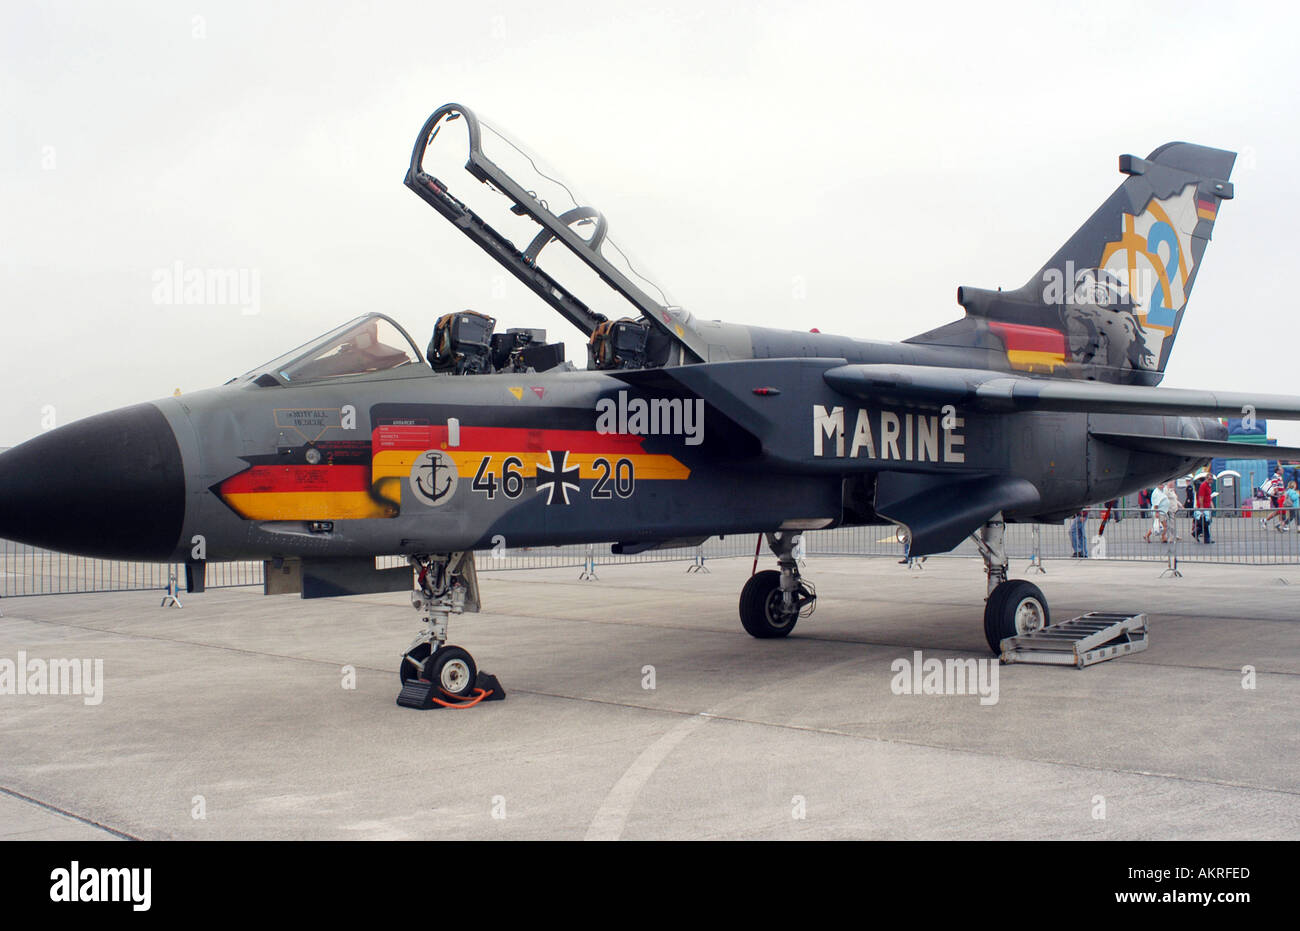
[1253, 472]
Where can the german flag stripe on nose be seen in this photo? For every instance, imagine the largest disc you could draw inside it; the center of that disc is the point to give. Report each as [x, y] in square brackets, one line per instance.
[296, 491]
[305, 492]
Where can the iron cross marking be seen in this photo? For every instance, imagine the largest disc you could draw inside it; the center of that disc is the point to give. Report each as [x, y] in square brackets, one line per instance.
[557, 476]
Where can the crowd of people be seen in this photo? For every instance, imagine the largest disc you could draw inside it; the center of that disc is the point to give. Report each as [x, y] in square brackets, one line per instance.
[1163, 503]
[1277, 503]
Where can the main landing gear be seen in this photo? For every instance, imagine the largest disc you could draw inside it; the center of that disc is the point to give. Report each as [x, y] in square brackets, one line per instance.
[433, 671]
[773, 600]
[1014, 606]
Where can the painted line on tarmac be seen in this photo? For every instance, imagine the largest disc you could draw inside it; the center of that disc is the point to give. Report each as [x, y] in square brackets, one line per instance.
[611, 816]
[65, 813]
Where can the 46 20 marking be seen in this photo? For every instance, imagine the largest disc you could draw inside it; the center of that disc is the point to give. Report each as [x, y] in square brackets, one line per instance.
[613, 479]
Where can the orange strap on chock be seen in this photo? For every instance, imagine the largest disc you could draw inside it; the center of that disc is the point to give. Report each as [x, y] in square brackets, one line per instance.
[461, 703]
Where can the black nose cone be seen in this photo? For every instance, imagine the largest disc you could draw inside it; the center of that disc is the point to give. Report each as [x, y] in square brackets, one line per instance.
[111, 486]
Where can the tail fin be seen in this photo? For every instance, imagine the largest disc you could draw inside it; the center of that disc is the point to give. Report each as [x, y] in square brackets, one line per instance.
[1109, 303]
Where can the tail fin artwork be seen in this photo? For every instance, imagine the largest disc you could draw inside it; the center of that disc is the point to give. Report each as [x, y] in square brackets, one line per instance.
[1109, 303]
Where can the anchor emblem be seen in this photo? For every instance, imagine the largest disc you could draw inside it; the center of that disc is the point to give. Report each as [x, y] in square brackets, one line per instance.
[433, 477]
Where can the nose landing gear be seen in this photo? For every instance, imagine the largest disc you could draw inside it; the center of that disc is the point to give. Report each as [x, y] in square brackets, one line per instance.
[433, 672]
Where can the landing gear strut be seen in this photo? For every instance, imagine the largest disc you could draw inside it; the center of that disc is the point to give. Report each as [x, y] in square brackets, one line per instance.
[1013, 606]
[773, 600]
[445, 585]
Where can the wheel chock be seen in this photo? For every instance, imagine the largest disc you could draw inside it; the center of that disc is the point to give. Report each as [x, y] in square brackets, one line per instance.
[491, 685]
[423, 695]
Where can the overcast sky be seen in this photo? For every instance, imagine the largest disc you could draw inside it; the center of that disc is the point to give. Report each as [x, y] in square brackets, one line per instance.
[870, 157]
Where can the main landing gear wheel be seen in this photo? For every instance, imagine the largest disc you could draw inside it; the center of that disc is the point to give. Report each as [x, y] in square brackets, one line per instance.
[762, 609]
[1015, 607]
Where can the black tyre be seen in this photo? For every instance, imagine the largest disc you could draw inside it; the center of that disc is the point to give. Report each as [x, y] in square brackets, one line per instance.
[761, 604]
[453, 671]
[410, 666]
[1015, 607]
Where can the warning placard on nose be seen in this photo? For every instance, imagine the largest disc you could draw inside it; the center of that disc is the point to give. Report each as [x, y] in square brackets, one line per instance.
[310, 423]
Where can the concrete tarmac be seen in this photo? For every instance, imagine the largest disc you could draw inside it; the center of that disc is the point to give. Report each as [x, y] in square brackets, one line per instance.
[231, 717]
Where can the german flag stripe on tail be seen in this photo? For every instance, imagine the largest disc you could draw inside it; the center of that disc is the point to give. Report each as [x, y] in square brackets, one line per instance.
[1031, 348]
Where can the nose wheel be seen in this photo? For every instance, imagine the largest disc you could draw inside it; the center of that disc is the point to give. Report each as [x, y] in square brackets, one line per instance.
[433, 672]
[454, 671]
[450, 668]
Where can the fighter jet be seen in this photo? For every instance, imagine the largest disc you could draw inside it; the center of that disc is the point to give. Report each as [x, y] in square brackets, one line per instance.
[1038, 402]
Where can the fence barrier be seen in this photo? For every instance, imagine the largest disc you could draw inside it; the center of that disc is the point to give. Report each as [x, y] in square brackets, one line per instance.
[1238, 537]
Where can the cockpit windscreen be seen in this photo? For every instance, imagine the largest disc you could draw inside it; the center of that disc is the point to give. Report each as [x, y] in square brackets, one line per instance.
[370, 343]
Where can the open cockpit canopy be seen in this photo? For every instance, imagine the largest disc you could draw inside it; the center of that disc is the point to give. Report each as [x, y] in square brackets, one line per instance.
[577, 276]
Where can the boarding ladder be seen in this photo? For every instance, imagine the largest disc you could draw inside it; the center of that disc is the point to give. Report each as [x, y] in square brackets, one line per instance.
[1080, 641]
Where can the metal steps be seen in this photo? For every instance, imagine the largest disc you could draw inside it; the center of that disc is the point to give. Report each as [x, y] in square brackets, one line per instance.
[1080, 641]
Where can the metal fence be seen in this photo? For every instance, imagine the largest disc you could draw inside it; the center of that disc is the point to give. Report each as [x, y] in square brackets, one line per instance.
[28, 570]
[1234, 536]
[1238, 537]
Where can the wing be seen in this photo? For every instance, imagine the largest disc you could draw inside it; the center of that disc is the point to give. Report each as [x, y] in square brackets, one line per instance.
[998, 392]
[1189, 447]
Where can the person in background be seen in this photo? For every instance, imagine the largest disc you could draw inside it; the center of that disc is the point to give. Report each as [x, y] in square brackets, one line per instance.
[1144, 503]
[1274, 491]
[1078, 535]
[1194, 497]
[1204, 509]
[1157, 516]
[1292, 502]
[1164, 502]
[1171, 508]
